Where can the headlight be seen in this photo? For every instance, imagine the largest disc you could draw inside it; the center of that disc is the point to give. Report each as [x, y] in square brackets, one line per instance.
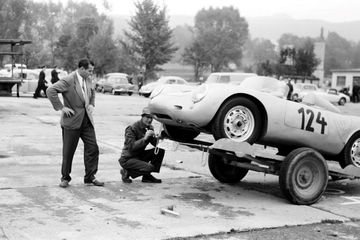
[156, 91]
[199, 93]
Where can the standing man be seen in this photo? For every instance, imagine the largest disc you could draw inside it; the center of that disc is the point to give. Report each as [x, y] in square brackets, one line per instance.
[41, 83]
[291, 89]
[135, 160]
[140, 80]
[54, 75]
[77, 121]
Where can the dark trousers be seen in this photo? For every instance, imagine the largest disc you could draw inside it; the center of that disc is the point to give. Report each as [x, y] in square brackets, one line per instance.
[38, 90]
[143, 164]
[91, 150]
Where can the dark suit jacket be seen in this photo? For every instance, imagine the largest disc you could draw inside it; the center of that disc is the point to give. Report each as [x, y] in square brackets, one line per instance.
[42, 80]
[73, 97]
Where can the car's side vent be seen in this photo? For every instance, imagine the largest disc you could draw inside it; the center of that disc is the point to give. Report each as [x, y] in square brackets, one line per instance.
[162, 116]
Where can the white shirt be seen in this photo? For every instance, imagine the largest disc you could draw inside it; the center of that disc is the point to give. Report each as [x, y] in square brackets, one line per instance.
[81, 82]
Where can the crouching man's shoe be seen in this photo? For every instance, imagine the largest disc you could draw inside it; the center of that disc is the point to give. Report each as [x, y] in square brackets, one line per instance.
[95, 182]
[125, 176]
[150, 179]
[64, 183]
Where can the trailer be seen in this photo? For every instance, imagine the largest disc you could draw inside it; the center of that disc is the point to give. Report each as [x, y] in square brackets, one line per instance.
[16, 49]
[303, 173]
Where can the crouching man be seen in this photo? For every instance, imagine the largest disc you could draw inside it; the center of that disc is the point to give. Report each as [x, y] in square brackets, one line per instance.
[135, 160]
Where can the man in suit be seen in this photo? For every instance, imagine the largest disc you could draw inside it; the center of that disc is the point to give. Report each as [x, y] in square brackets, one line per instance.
[41, 83]
[77, 121]
[135, 160]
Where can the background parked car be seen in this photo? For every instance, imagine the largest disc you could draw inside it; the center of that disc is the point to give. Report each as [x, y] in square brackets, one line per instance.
[334, 96]
[116, 83]
[301, 90]
[175, 82]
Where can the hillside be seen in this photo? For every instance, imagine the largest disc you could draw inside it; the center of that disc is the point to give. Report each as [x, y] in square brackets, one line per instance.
[271, 27]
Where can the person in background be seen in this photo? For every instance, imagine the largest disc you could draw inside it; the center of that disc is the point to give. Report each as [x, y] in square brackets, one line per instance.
[135, 160]
[77, 121]
[54, 75]
[41, 83]
[291, 89]
[140, 79]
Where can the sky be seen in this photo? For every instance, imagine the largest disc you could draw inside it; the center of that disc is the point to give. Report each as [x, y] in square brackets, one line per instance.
[328, 10]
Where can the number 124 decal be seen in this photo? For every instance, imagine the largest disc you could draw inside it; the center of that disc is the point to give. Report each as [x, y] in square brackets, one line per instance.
[308, 123]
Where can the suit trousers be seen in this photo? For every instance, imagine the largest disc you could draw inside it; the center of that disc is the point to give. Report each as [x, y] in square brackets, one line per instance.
[144, 163]
[91, 150]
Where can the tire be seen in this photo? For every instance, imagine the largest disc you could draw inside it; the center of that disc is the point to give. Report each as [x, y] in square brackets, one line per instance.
[238, 119]
[130, 93]
[146, 95]
[303, 176]
[351, 154]
[180, 134]
[342, 101]
[223, 172]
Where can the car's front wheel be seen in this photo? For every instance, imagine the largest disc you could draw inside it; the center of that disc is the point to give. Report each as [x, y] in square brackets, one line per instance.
[352, 152]
[180, 134]
[238, 119]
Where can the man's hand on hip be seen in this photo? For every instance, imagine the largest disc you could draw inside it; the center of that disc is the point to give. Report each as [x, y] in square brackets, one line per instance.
[67, 111]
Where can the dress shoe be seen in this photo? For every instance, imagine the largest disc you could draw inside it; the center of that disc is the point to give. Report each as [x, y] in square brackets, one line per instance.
[125, 176]
[64, 183]
[150, 179]
[95, 182]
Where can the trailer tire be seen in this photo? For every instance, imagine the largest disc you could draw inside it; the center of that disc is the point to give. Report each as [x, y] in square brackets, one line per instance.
[303, 176]
[224, 172]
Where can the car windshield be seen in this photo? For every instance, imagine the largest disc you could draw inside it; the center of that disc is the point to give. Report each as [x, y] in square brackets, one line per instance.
[118, 80]
[218, 79]
[264, 84]
[228, 79]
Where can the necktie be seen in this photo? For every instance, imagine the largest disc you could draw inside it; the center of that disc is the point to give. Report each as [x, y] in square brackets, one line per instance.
[84, 91]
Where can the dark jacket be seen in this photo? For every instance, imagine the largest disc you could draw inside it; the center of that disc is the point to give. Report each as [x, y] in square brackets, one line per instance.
[42, 80]
[135, 143]
[54, 76]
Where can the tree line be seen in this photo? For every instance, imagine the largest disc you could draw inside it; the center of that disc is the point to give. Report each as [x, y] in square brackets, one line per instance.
[218, 41]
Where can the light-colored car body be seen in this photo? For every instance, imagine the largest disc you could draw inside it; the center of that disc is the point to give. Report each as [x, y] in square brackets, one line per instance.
[334, 96]
[116, 83]
[257, 111]
[301, 90]
[169, 83]
[30, 78]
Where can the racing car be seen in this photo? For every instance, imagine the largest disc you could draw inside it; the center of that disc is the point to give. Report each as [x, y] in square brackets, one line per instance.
[257, 111]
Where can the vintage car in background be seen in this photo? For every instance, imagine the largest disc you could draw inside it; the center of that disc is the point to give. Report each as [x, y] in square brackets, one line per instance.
[165, 82]
[30, 78]
[334, 96]
[301, 89]
[256, 111]
[115, 83]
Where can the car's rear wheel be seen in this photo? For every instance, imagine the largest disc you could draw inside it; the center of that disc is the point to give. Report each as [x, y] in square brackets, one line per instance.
[130, 93]
[180, 134]
[113, 91]
[342, 101]
[238, 119]
[351, 154]
[225, 172]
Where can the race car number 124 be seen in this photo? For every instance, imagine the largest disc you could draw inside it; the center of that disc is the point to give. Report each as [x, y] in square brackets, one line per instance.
[309, 122]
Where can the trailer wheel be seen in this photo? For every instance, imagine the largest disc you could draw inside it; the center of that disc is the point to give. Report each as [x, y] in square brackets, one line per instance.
[224, 172]
[303, 176]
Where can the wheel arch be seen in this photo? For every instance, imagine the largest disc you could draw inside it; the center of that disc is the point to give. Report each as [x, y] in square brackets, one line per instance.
[258, 103]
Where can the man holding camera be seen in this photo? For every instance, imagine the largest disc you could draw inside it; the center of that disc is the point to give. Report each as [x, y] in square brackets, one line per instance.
[135, 160]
